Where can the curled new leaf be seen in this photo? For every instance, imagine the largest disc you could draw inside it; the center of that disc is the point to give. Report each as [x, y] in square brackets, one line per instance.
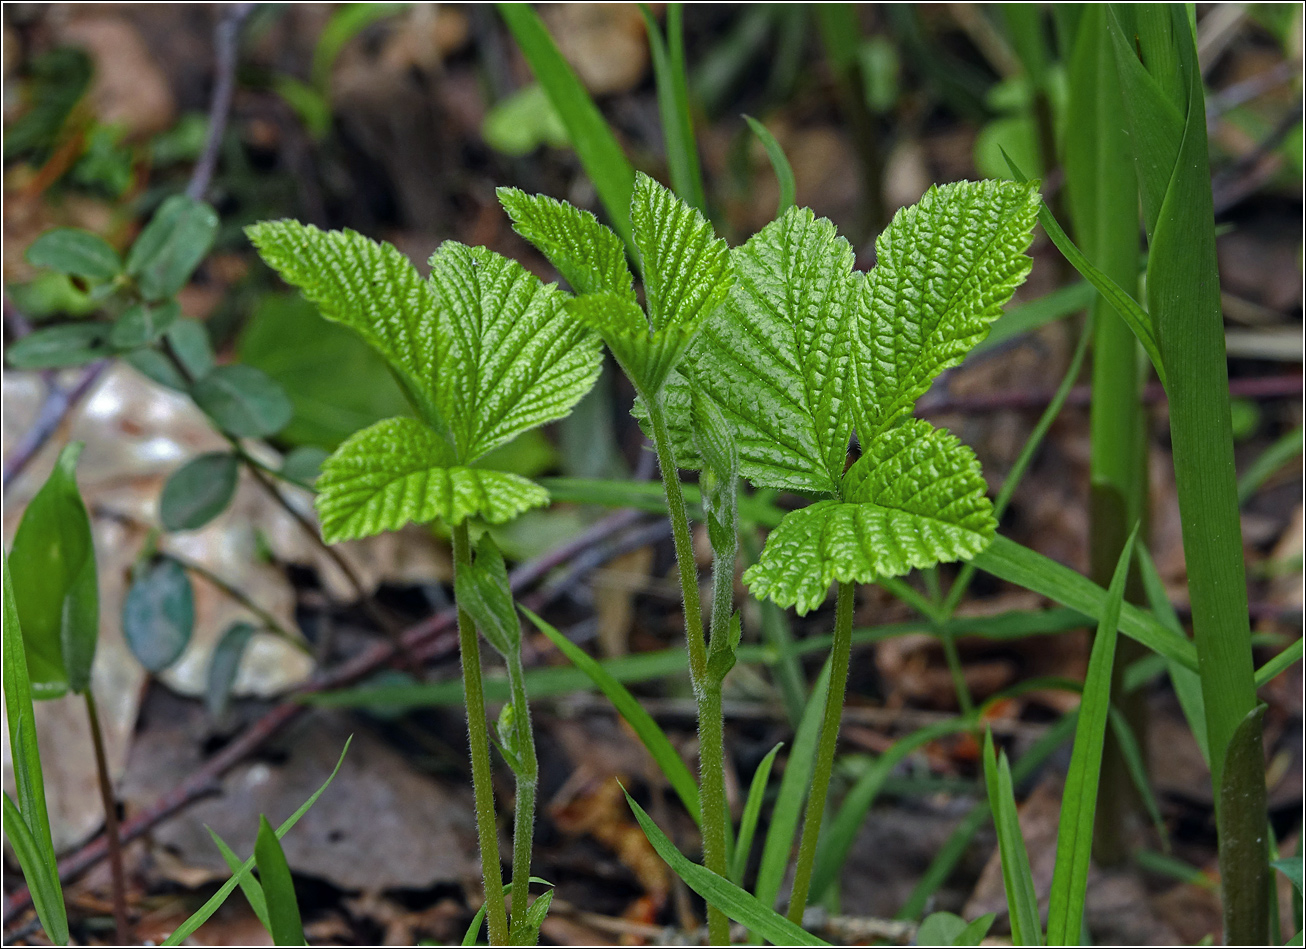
[399, 471]
[481, 588]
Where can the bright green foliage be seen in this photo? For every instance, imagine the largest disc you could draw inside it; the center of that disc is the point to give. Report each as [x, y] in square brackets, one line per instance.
[284, 922]
[399, 471]
[482, 590]
[944, 268]
[53, 569]
[484, 350]
[590, 256]
[805, 348]
[1017, 878]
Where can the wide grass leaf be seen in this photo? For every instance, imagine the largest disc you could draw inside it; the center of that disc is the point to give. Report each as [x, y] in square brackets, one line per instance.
[738, 904]
[399, 471]
[1079, 800]
[284, 921]
[944, 268]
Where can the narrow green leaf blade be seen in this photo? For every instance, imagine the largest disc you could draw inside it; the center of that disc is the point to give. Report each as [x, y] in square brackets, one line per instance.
[653, 738]
[752, 813]
[76, 252]
[784, 173]
[589, 255]
[600, 154]
[398, 471]
[278, 888]
[673, 104]
[721, 893]
[944, 269]
[1079, 801]
[248, 885]
[199, 491]
[1017, 879]
[201, 915]
[42, 881]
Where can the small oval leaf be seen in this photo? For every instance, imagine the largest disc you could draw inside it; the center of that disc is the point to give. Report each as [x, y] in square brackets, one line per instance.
[76, 252]
[158, 614]
[57, 347]
[142, 324]
[244, 401]
[304, 464]
[171, 246]
[198, 491]
[224, 666]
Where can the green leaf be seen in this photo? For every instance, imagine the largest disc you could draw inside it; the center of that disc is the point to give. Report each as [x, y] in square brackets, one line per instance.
[52, 565]
[158, 614]
[188, 341]
[738, 904]
[647, 358]
[653, 738]
[474, 928]
[1293, 869]
[784, 173]
[224, 665]
[687, 268]
[1079, 800]
[326, 412]
[278, 888]
[915, 498]
[1017, 879]
[248, 885]
[599, 152]
[944, 269]
[1010, 561]
[304, 464]
[719, 481]
[481, 589]
[36, 852]
[198, 491]
[948, 929]
[47, 895]
[517, 360]
[201, 915]
[523, 121]
[370, 287]
[1240, 820]
[589, 255]
[399, 471]
[673, 103]
[76, 252]
[243, 401]
[775, 358]
[143, 323]
[752, 813]
[535, 916]
[171, 246]
[57, 347]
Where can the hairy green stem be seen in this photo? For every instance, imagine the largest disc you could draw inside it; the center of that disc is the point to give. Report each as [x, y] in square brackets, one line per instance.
[528, 779]
[839, 653]
[478, 737]
[121, 924]
[711, 752]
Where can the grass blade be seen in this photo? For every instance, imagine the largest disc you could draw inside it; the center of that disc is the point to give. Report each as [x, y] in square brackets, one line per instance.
[838, 838]
[201, 915]
[788, 806]
[752, 811]
[1282, 451]
[474, 928]
[784, 172]
[673, 104]
[1132, 755]
[42, 882]
[1283, 660]
[1017, 564]
[284, 922]
[1079, 802]
[248, 885]
[600, 154]
[1017, 879]
[654, 739]
[738, 904]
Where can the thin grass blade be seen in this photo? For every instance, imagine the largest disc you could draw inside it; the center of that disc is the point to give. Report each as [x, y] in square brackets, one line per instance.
[47, 894]
[1017, 879]
[284, 922]
[248, 885]
[752, 812]
[784, 172]
[673, 104]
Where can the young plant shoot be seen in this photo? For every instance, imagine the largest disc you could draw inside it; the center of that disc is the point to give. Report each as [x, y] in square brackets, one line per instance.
[484, 351]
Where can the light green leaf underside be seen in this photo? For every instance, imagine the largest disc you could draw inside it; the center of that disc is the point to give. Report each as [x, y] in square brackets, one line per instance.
[516, 359]
[687, 270]
[589, 255]
[944, 268]
[915, 498]
[368, 286]
[398, 471]
[646, 357]
[775, 358]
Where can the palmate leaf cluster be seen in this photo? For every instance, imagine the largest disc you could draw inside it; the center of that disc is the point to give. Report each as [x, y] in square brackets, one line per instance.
[483, 349]
[796, 350]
